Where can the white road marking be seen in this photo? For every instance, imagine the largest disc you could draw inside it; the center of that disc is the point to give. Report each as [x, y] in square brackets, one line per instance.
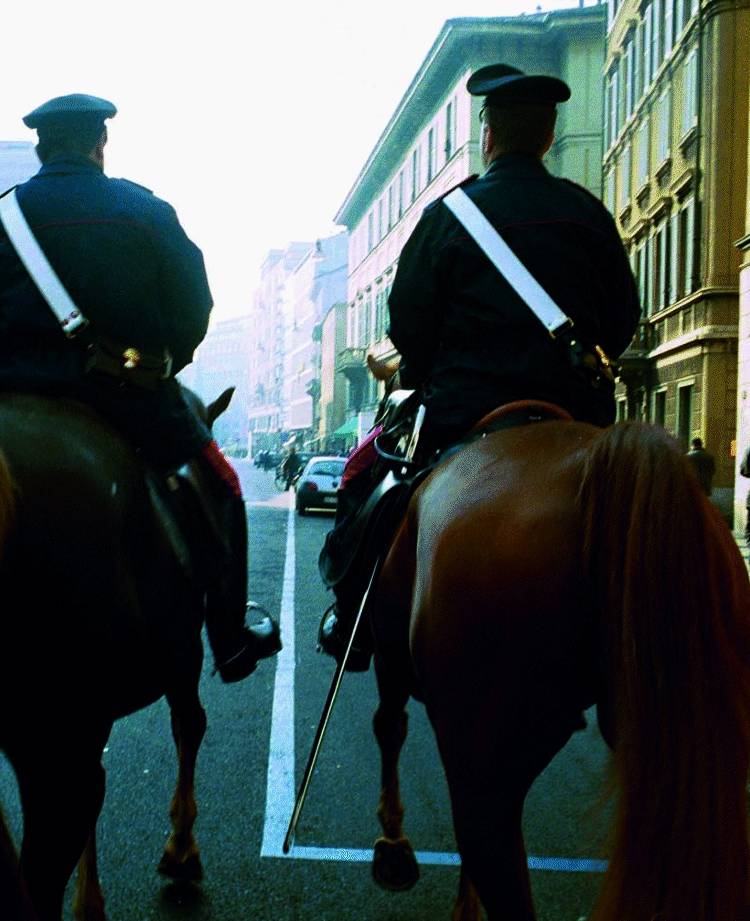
[280, 785]
[280, 789]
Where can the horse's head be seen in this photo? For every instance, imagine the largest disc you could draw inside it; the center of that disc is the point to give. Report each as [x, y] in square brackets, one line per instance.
[210, 412]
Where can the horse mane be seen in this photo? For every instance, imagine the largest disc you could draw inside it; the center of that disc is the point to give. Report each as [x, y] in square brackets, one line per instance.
[7, 500]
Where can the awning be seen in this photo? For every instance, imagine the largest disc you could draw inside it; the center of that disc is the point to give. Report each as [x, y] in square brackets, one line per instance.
[350, 427]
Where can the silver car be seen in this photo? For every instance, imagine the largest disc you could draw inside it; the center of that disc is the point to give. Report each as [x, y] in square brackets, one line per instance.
[318, 483]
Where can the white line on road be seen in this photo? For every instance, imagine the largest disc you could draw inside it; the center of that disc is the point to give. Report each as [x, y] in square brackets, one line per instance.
[280, 791]
[280, 787]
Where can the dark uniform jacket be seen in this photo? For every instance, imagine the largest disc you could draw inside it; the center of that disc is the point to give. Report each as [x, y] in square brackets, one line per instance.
[129, 266]
[468, 338]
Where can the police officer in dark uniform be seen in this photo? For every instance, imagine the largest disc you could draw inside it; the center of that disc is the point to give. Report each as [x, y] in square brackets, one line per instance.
[129, 267]
[466, 338]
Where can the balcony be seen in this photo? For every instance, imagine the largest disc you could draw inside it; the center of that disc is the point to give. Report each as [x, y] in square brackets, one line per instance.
[352, 363]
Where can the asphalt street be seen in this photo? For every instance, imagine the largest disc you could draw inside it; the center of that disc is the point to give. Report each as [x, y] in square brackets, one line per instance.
[259, 733]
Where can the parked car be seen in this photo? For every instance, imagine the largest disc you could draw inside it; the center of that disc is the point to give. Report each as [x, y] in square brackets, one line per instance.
[318, 483]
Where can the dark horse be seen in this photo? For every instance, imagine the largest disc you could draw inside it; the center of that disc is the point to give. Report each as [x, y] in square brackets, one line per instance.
[99, 620]
[539, 571]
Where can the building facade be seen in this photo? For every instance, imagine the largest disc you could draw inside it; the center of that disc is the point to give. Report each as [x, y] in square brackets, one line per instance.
[222, 361]
[675, 167]
[316, 283]
[18, 162]
[743, 358]
[266, 358]
[333, 432]
[431, 143]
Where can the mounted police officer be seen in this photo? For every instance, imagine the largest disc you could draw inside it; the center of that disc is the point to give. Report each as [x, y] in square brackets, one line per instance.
[130, 269]
[467, 340]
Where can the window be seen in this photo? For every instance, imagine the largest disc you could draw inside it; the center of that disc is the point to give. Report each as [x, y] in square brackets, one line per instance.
[630, 77]
[669, 24]
[643, 155]
[660, 408]
[684, 413]
[380, 315]
[644, 276]
[646, 47]
[626, 171]
[638, 64]
[390, 206]
[609, 189]
[415, 186]
[687, 270]
[657, 44]
[664, 126]
[449, 131]
[662, 262]
[431, 155]
[400, 194]
[689, 116]
[370, 231]
[381, 229]
[612, 107]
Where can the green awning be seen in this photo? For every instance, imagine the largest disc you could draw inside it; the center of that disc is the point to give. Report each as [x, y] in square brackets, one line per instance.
[350, 427]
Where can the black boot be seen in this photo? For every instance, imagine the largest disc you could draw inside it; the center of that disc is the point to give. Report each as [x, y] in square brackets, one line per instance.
[333, 636]
[237, 648]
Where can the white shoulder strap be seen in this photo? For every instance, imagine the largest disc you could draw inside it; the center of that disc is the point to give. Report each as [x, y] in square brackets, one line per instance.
[44, 276]
[507, 263]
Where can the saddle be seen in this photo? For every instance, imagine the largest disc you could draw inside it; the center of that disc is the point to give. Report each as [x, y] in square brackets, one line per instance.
[354, 542]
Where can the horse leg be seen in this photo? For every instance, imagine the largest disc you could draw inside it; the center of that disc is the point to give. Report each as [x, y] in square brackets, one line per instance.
[181, 859]
[488, 784]
[60, 809]
[88, 901]
[467, 906]
[394, 865]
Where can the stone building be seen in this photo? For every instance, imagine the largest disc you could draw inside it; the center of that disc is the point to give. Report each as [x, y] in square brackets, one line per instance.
[432, 142]
[675, 166]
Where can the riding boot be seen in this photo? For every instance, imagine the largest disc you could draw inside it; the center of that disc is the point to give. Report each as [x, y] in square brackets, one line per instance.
[237, 648]
[336, 627]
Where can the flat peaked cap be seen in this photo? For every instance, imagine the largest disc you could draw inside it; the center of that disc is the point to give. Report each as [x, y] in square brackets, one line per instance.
[77, 108]
[503, 83]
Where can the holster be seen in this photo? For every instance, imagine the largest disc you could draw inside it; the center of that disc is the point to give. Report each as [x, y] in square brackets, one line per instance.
[127, 364]
[590, 363]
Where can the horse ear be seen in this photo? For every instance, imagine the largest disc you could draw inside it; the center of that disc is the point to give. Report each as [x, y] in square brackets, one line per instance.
[219, 405]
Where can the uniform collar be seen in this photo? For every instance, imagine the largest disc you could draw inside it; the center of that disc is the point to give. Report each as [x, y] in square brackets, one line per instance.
[517, 163]
[67, 164]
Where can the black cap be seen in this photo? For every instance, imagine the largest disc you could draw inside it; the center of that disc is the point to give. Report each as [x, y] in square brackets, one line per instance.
[75, 110]
[502, 83]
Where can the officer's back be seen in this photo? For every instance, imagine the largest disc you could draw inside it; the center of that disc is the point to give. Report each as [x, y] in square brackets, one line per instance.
[463, 331]
[122, 256]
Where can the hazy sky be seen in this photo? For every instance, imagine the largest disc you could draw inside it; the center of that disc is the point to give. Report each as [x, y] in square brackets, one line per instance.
[253, 120]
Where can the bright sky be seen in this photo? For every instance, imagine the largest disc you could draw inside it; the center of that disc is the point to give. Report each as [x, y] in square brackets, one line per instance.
[252, 119]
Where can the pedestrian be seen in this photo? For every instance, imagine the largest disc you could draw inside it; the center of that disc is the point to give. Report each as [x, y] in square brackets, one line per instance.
[704, 464]
[290, 467]
[468, 341]
[131, 270]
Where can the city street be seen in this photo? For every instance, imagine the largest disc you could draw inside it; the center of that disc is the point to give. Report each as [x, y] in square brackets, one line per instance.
[258, 738]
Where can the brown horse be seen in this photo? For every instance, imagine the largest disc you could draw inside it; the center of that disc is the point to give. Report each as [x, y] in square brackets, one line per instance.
[99, 620]
[539, 571]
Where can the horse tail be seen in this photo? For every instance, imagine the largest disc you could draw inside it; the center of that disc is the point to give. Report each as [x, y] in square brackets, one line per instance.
[672, 596]
[7, 500]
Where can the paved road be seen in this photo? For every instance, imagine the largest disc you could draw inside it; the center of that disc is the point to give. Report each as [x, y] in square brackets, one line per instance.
[257, 742]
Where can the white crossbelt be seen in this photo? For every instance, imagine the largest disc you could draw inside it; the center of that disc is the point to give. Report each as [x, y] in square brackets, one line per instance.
[43, 275]
[507, 263]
